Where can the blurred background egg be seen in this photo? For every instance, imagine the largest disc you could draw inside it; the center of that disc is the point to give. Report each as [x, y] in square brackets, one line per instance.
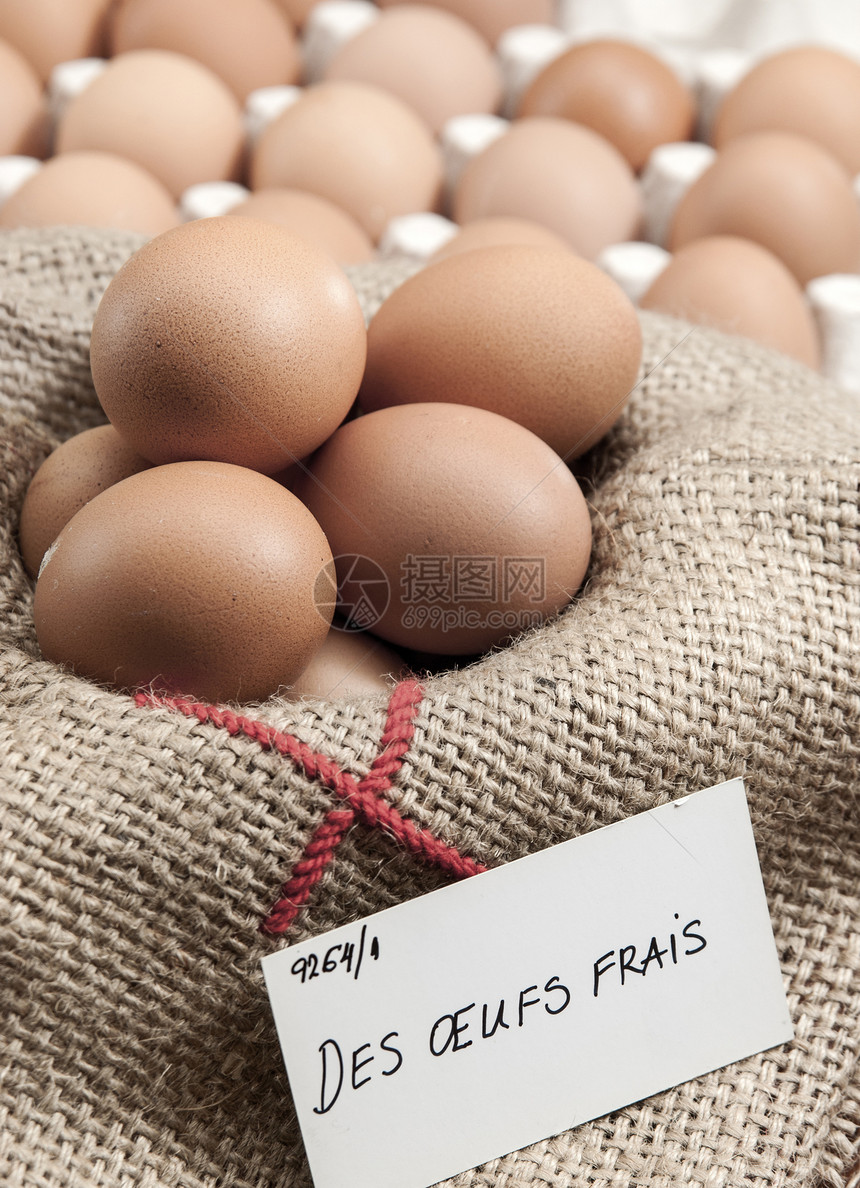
[558, 174]
[535, 334]
[73, 474]
[23, 110]
[48, 32]
[310, 217]
[492, 17]
[492, 232]
[297, 11]
[92, 189]
[349, 663]
[782, 191]
[429, 58]
[739, 287]
[474, 528]
[811, 90]
[163, 110]
[247, 43]
[361, 148]
[620, 90]
[228, 338]
[197, 578]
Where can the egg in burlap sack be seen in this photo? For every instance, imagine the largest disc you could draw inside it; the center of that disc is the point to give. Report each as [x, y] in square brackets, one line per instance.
[144, 842]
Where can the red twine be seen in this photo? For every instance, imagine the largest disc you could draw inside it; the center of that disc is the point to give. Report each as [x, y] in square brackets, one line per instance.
[362, 798]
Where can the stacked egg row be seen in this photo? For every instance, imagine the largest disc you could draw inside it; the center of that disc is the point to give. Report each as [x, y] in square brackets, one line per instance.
[241, 494]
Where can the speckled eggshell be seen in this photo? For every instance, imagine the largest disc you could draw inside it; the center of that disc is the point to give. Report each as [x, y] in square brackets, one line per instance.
[23, 111]
[363, 149]
[432, 60]
[230, 339]
[165, 111]
[445, 482]
[536, 334]
[312, 218]
[91, 189]
[782, 191]
[558, 174]
[197, 578]
[739, 287]
[618, 89]
[349, 663]
[247, 43]
[73, 474]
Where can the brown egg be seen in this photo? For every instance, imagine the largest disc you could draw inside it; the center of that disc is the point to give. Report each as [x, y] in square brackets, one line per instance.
[452, 528]
[536, 334]
[247, 43]
[782, 191]
[23, 112]
[361, 148]
[231, 339]
[197, 578]
[495, 232]
[432, 60]
[296, 10]
[48, 32]
[348, 663]
[492, 17]
[313, 218]
[71, 476]
[809, 90]
[558, 174]
[618, 89]
[91, 189]
[167, 112]
[741, 288]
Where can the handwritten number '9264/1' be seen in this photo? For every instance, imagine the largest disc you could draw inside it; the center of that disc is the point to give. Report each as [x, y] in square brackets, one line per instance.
[348, 955]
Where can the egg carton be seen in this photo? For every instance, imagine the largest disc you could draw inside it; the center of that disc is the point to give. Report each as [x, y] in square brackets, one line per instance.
[710, 45]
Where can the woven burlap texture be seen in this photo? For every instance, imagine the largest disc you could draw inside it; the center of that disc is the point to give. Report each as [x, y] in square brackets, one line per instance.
[717, 636]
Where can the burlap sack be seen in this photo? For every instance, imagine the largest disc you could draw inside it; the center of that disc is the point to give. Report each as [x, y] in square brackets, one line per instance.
[142, 845]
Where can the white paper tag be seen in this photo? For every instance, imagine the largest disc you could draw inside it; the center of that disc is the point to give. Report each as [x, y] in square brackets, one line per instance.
[452, 1029]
